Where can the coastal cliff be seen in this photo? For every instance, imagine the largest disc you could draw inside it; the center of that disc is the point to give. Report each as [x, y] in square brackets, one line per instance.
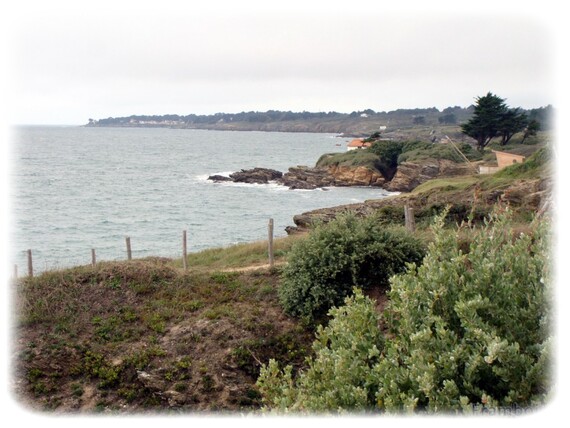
[408, 175]
[302, 177]
[429, 178]
[356, 176]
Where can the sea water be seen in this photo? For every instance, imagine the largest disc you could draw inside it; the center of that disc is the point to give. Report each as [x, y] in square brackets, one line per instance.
[74, 189]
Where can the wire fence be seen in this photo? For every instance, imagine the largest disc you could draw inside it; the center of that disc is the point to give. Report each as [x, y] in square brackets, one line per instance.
[129, 252]
[410, 224]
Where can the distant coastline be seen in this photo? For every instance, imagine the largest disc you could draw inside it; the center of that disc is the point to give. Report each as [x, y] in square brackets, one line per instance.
[356, 124]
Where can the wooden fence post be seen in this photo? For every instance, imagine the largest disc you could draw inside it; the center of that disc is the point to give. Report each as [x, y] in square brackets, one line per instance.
[270, 239]
[30, 264]
[129, 253]
[410, 220]
[184, 251]
[93, 258]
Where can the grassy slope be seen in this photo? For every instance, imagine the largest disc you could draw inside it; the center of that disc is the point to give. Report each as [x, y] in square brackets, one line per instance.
[238, 256]
[478, 194]
[413, 152]
[537, 166]
[350, 158]
[146, 336]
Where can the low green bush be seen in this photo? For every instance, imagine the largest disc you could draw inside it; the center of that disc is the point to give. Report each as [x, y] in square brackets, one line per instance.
[347, 252]
[388, 151]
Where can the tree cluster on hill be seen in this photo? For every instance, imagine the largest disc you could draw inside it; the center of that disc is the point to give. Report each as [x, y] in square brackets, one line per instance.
[492, 118]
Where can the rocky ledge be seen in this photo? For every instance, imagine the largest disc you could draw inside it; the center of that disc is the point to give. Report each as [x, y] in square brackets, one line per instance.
[526, 195]
[304, 177]
[533, 195]
[408, 175]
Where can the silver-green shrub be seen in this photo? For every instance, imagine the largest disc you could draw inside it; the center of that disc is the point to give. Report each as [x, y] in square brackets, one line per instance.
[340, 376]
[471, 330]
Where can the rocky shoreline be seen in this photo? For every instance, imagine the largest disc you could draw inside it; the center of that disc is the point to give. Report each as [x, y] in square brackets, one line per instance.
[526, 194]
[408, 176]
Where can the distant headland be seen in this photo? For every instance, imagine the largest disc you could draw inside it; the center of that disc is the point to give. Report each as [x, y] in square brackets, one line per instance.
[357, 123]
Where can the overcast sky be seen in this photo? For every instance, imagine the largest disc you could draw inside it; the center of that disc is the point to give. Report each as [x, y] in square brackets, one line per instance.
[71, 61]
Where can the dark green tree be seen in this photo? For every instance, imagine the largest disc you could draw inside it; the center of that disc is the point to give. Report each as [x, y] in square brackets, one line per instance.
[513, 121]
[485, 124]
[388, 151]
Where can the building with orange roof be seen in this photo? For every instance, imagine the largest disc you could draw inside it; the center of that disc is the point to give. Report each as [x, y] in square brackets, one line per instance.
[358, 143]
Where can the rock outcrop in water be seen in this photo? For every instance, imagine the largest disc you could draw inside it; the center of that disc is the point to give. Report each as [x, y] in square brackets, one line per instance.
[251, 176]
[304, 177]
[308, 178]
[219, 178]
[256, 175]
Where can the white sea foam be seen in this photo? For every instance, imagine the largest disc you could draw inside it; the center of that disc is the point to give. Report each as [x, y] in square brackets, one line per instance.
[204, 177]
[271, 185]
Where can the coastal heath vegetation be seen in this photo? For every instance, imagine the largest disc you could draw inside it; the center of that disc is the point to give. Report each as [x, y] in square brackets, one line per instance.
[466, 330]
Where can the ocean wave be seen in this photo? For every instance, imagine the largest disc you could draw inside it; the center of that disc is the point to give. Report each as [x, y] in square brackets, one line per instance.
[318, 189]
[272, 185]
[204, 177]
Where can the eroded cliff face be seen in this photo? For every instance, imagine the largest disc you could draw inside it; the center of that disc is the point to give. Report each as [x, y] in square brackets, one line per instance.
[302, 177]
[355, 176]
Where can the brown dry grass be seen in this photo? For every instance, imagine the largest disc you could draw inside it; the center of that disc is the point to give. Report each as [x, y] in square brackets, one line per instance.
[144, 336]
